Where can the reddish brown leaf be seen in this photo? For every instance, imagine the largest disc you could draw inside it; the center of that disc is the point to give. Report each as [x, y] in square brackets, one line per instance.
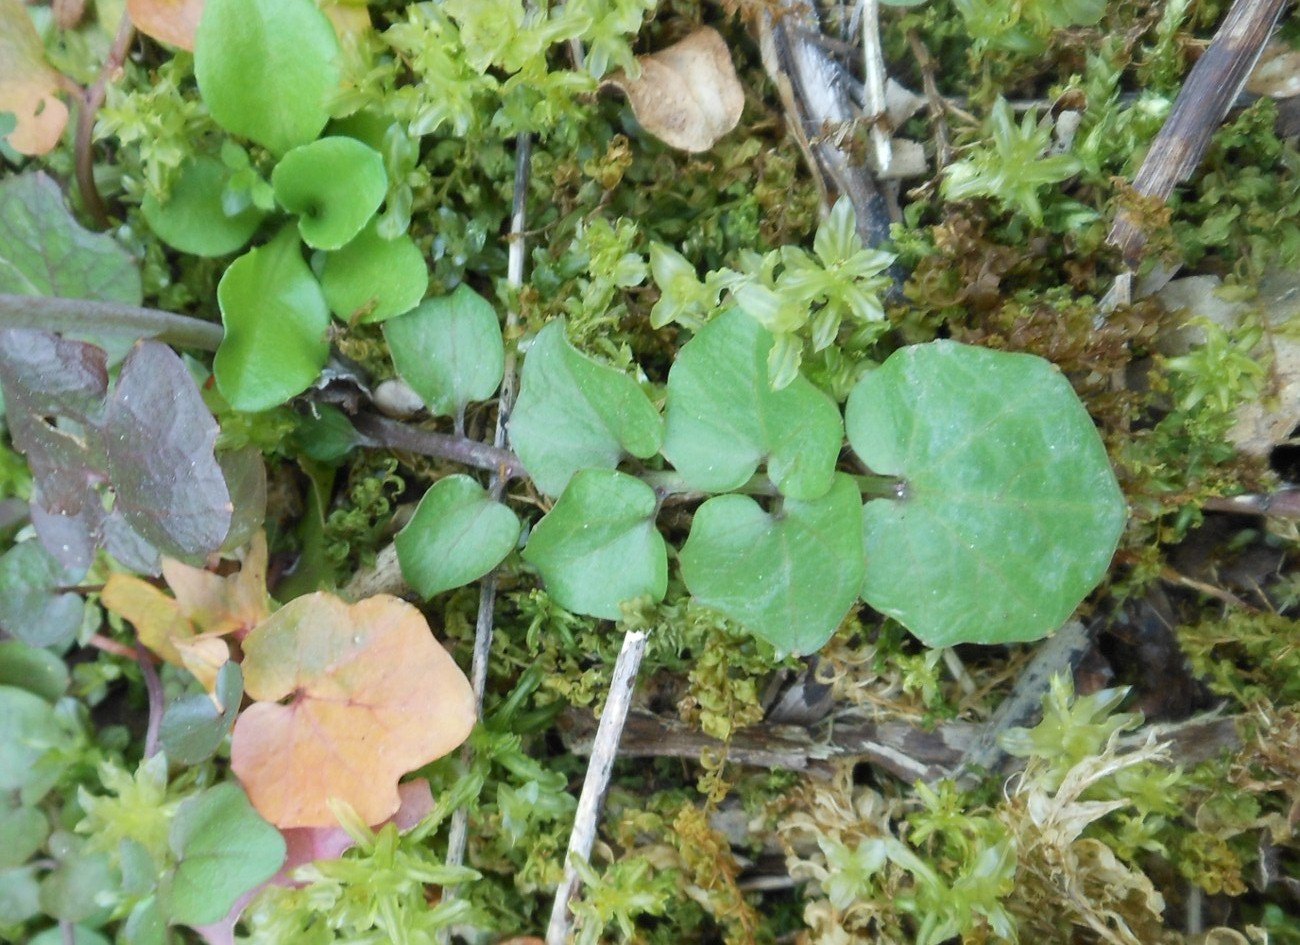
[169, 21]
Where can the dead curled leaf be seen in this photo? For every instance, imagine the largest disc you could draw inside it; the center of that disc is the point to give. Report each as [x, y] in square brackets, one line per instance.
[169, 21]
[687, 95]
[28, 85]
[349, 698]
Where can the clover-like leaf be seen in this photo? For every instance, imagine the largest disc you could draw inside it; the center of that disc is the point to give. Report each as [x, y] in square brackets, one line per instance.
[575, 413]
[223, 849]
[372, 279]
[788, 577]
[599, 546]
[334, 185]
[449, 350]
[457, 535]
[33, 606]
[194, 726]
[193, 219]
[1009, 511]
[350, 698]
[723, 417]
[277, 326]
[45, 251]
[267, 69]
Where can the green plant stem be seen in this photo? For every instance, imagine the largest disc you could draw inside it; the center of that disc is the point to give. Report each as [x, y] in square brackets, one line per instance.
[670, 485]
[82, 315]
[459, 449]
[881, 487]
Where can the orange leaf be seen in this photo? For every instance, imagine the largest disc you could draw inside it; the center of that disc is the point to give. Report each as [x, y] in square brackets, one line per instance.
[221, 605]
[370, 695]
[169, 21]
[28, 84]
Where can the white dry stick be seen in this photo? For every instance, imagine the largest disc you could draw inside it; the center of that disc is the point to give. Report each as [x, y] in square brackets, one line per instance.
[874, 62]
[458, 832]
[603, 751]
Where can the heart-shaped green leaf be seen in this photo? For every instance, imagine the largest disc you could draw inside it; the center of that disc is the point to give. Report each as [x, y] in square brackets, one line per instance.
[372, 279]
[457, 535]
[599, 546]
[194, 726]
[193, 219]
[449, 350]
[277, 326]
[724, 418]
[334, 185]
[32, 606]
[788, 577]
[224, 849]
[574, 413]
[1009, 512]
[267, 69]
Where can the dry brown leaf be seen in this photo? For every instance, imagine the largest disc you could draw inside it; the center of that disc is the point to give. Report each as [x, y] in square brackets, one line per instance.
[28, 85]
[687, 95]
[169, 21]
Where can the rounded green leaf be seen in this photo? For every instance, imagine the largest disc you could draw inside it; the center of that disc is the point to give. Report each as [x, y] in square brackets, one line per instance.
[1009, 512]
[457, 535]
[574, 413]
[223, 849]
[334, 185]
[449, 350]
[372, 279]
[277, 326]
[193, 727]
[74, 890]
[193, 219]
[788, 577]
[599, 547]
[36, 670]
[267, 69]
[724, 419]
[28, 730]
[32, 605]
[22, 832]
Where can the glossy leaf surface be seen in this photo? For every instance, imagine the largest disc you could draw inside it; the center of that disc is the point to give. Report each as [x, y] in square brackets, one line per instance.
[267, 69]
[372, 279]
[788, 577]
[724, 419]
[193, 219]
[575, 413]
[1011, 511]
[334, 185]
[599, 546]
[277, 325]
[449, 350]
[457, 535]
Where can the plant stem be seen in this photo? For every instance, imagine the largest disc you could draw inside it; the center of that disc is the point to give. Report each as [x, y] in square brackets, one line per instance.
[152, 686]
[393, 434]
[86, 111]
[594, 786]
[881, 487]
[82, 315]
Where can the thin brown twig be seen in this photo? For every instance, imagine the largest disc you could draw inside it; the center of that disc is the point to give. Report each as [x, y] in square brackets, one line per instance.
[88, 108]
[938, 108]
[153, 687]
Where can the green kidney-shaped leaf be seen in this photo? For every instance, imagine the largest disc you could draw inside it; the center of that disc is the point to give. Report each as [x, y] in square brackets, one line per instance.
[599, 546]
[1010, 511]
[32, 606]
[29, 730]
[267, 69]
[22, 832]
[193, 726]
[574, 413]
[223, 849]
[372, 279]
[193, 219]
[334, 185]
[38, 671]
[723, 417]
[276, 326]
[457, 535]
[449, 350]
[790, 577]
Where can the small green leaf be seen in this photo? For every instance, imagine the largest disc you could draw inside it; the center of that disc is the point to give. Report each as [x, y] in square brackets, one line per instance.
[457, 535]
[193, 219]
[1010, 512]
[724, 418]
[267, 69]
[372, 279]
[22, 832]
[145, 925]
[223, 849]
[334, 185]
[575, 413]
[36, 670]
[449, 350]
[29, 730]
[788, 577]
[193, 727]
[20, 896]
[277, 326]
[32, 607]
[73, 890]
[599, 546]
